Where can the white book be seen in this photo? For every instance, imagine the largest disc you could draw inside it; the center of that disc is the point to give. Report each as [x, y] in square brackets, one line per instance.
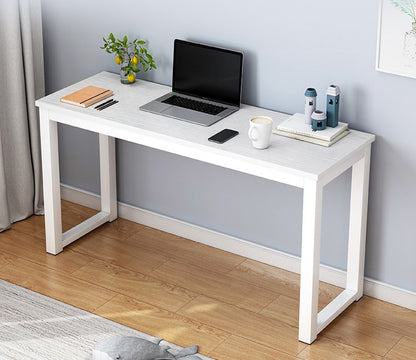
[311, 139]
[296, 125]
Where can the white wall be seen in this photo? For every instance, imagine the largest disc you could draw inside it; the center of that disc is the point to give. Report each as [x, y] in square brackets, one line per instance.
[288, 46]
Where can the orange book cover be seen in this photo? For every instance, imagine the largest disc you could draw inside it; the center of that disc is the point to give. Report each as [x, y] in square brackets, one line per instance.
[87, 96]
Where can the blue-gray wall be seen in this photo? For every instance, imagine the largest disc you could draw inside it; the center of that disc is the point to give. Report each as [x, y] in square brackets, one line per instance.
[288, 46]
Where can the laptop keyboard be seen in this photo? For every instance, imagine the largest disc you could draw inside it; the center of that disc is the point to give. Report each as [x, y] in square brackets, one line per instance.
[194, 105]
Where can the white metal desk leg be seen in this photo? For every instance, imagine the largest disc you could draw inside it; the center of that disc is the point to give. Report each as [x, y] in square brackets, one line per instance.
[51, 183]
[311, 246]
[358, 224]
[108, 176]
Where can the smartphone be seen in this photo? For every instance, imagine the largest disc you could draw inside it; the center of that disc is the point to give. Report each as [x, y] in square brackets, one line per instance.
[223, 136]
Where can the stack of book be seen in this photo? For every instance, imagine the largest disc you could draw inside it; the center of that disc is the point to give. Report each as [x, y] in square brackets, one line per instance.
[87, 96]
[295, 127]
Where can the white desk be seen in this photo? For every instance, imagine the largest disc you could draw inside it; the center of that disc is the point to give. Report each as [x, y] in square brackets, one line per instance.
[288, 161]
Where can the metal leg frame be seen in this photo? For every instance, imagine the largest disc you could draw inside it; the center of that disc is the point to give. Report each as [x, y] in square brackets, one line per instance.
[311, 323]
[55, 240]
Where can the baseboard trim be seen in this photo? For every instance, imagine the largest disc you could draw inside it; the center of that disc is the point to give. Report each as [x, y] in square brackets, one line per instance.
[373, 288]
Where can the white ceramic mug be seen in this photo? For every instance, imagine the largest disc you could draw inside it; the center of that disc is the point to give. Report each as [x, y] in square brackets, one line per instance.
[260, 131]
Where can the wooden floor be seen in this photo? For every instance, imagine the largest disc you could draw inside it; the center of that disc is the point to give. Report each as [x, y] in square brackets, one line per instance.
[189, 293]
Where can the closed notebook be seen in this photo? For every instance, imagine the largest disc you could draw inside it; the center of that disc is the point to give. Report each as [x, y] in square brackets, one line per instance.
[312, 139]
[87, 96]
[296, 125]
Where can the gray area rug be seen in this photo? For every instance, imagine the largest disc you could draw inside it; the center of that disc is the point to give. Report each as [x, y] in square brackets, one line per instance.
[34, 326]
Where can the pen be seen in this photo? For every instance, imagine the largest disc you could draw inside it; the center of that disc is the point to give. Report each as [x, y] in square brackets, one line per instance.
[107, 105]
[103, 103]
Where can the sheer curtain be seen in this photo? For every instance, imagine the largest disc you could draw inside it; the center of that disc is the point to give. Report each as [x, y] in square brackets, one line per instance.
[21, 82]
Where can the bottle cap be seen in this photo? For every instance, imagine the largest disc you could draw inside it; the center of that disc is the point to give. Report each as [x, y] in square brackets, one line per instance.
[310, 92]
[333, 90]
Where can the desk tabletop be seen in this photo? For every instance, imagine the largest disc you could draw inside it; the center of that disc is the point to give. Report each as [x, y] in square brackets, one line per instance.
[286, 160]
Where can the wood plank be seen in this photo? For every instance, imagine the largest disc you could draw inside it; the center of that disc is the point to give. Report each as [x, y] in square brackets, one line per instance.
[258, 328]
[236, 347]
[117, 253]
[362, 335]
[33, 226]
[172, 327]
[269, 277]
[282, 281]
[6, 258]
[286, 308]
[224, 288]
[366, 329]
[327, 292]
[404, 350]
[186, 251]
[385, 315]
[119, 229]
[327, 349]
[55, 284]
[33, 248]
[74, 214]
[83, 212]
[135, 285]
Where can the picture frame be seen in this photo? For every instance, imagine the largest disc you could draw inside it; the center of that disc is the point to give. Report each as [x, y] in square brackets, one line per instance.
[396, 48]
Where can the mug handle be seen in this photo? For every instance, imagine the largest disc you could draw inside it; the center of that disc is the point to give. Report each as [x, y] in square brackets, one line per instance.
[253, 135]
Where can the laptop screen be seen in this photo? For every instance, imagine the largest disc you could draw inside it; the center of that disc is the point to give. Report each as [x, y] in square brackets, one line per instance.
[207, 72]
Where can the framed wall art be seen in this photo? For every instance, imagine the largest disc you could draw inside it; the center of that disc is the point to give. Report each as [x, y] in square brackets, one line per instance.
[396, 52]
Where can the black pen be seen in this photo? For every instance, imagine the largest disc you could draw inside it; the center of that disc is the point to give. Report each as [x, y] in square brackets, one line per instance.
[103, 103]
[107, 105]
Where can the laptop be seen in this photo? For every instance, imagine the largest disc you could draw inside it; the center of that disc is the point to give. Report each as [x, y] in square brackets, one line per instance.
[206, 84]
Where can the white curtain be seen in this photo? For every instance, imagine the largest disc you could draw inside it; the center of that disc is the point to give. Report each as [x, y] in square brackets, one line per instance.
[21, 83]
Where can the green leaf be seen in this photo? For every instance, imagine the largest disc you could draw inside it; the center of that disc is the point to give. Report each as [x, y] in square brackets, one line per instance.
[407, 7]
[126, 49]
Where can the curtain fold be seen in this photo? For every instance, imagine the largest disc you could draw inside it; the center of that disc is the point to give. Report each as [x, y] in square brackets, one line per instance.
[21, 83]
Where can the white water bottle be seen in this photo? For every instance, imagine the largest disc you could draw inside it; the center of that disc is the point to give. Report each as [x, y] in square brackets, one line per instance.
[310, 104]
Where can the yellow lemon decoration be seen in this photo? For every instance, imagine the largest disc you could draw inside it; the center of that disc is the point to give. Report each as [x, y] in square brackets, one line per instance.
[135, 60]
[131, 77]
[119, 60]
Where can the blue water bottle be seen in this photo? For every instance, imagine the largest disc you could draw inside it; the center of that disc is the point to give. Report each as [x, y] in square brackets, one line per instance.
[332, 106]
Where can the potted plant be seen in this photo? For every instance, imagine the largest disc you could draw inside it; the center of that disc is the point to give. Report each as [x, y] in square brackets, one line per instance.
[130, 55]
